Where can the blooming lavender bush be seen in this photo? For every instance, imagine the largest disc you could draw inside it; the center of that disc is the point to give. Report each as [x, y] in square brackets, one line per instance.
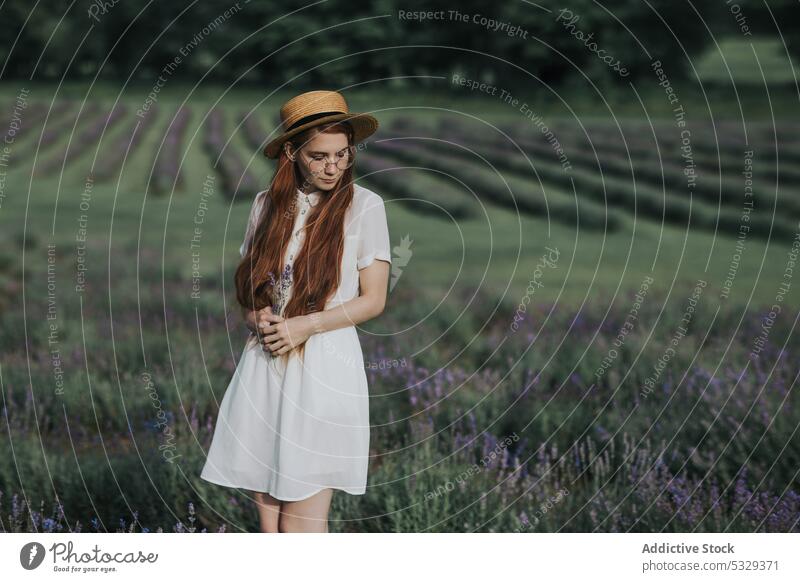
[19, 518]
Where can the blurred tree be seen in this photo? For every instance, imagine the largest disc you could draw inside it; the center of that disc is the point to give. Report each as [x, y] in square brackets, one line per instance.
[336, 43]
[785, 18]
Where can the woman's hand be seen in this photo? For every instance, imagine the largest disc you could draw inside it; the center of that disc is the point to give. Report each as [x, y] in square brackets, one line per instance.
[279, 335]
[253, 318]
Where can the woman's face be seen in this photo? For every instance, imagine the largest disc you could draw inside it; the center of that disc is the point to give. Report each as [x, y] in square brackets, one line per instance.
[315, 160]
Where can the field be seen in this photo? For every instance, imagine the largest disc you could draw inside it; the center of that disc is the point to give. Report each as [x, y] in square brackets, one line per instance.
[519, 381]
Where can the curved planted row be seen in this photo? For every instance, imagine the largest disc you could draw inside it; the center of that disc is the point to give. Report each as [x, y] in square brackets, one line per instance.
[86, 139]
[61, 124]
[707, 143]
[707, 157]
[225, 160]
[254, 135]
[708, 185]
[641, 199]
[18, 128]
[514, 194]
[432, 194]
[722, 201]
[167, 175]
[706, 137]
[112, 159]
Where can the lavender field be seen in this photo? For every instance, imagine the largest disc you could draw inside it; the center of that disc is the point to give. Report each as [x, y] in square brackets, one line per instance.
[475, 427]
[581, 350]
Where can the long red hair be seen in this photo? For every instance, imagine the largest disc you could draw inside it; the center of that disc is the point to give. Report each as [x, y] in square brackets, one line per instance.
[315, 273]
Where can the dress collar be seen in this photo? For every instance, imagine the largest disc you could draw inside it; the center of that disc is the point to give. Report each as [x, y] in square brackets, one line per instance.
[312, 198]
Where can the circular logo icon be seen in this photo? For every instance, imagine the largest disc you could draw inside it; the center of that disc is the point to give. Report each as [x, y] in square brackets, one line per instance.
[31, 555]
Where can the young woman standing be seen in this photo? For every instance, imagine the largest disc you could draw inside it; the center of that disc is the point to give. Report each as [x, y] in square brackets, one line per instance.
[293, 425]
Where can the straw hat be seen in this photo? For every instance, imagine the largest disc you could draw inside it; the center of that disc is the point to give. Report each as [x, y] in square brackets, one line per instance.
[315, 108]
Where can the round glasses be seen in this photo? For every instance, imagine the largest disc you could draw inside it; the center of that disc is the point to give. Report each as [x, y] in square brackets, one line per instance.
[342, 159]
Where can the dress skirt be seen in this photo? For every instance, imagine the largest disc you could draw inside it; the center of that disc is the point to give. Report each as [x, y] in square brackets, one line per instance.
[292, 431]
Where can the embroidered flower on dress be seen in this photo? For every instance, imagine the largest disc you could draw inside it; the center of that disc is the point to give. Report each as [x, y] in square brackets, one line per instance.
[280, 288]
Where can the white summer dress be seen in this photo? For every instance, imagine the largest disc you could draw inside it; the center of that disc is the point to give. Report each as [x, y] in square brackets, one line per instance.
[293, 430]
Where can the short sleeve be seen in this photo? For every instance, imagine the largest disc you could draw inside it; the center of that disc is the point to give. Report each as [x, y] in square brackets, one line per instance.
[373, 240]
[252, 221]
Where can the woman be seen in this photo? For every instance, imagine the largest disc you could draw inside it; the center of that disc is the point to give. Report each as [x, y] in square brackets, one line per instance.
[293, 425]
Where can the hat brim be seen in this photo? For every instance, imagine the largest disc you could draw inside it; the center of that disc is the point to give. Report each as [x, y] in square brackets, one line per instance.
[363, 124]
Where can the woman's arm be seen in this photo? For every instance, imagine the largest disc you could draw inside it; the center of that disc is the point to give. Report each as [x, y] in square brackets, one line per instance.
[280, 335]
[373, 282]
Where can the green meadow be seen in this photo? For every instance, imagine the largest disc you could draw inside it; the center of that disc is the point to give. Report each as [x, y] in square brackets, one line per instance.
[119, 331]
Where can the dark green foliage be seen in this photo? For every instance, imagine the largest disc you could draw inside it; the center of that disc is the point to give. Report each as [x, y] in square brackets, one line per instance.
[256, 41]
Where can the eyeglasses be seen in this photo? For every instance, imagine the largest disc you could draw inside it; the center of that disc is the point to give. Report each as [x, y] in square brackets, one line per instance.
[343, 159]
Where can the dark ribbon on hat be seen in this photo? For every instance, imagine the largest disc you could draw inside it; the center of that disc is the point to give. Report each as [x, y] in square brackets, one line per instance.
[309, 118]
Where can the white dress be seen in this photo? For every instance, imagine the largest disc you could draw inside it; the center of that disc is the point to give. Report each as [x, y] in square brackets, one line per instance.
[293, 430]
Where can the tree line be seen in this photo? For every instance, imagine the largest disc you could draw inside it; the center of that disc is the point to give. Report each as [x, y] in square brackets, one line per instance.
[338, 42]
